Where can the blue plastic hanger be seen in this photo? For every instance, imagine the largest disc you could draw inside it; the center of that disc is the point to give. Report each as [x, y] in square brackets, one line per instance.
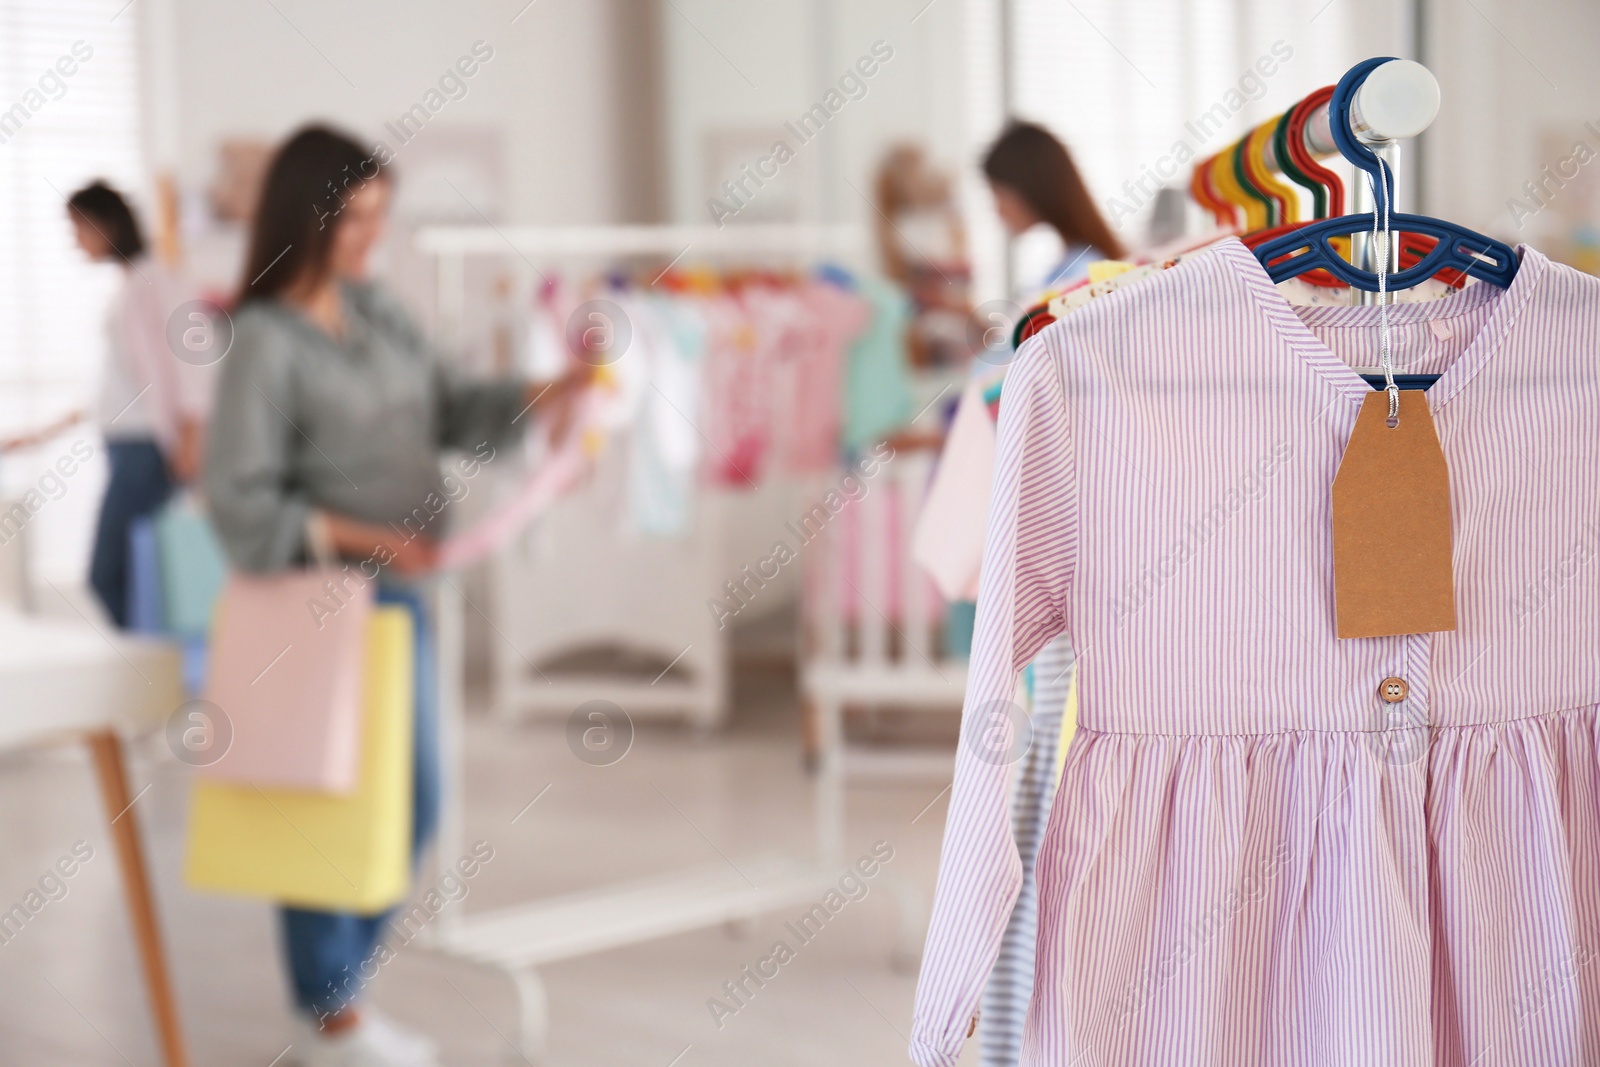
[1458, 248]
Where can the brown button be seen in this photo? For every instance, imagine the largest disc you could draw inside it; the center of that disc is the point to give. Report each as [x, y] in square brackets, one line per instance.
[1393, 690]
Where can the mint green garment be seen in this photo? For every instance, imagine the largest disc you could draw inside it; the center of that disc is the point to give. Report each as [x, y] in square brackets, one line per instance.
[960, 619]
[193, 568]
[877, 383]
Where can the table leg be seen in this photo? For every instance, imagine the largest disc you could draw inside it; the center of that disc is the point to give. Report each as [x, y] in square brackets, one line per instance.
[106, 748]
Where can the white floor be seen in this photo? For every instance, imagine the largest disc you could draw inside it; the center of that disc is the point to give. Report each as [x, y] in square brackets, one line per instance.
[69, 987]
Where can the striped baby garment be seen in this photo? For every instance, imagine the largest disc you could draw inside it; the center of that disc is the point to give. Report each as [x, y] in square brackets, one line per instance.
[1254, 857]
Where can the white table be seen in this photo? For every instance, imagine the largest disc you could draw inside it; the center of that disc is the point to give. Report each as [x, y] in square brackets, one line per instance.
[69, 683]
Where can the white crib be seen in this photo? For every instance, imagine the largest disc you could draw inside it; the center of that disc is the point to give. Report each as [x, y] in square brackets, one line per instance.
[886, 651]
[577, 581]
[580, 579]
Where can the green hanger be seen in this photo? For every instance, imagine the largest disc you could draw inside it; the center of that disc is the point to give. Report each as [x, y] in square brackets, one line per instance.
[1292, 171]
[1249, 188]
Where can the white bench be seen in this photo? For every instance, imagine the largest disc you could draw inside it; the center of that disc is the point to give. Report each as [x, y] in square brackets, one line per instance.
[70, 682]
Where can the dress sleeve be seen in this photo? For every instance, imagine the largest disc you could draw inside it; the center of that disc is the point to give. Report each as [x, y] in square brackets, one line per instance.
[468, 411]
[472, 411]
[258, 514]
[1027, 563]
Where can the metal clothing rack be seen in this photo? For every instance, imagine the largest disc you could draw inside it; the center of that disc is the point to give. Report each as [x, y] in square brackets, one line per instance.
[517, 940]
[452, 245]
[1399, 99]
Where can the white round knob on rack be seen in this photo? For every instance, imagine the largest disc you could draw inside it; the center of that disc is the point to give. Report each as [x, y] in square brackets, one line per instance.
[1398, 99]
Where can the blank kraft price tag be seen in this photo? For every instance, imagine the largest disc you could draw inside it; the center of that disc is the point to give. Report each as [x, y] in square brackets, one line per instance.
[1391, 524]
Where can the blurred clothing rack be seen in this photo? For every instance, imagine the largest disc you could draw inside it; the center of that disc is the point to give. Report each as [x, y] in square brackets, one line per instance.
[451, 245]
[1397, 100]
[518, 939]
[642, 240]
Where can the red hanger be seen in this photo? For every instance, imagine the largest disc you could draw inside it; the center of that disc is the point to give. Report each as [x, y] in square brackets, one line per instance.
[1298, 117]
[1413, 246]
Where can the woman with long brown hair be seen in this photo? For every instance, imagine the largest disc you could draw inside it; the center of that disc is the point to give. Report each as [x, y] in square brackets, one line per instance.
[1034, 180]
[331, 415]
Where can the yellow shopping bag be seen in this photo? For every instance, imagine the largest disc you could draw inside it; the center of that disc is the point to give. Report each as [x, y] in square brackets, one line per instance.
[334, 852]
[1069, 727]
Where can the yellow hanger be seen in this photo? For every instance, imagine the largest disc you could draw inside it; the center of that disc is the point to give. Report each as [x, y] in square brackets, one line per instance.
[1258, 142]
[1227, 186]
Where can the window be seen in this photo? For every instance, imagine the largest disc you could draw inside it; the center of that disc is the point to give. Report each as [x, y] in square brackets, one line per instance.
[69, 112]
[1125, 83]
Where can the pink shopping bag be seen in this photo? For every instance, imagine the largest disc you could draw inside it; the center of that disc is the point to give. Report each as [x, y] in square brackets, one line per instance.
[287, 656]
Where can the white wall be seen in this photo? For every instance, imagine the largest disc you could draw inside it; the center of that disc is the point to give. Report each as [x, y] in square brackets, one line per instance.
[264, 68]
[560, 87]
[1509, 72]
[740, 66]
[732, 65]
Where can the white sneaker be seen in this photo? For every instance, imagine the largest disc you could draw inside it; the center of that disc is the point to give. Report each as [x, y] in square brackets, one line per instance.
[405, 1041]
[375, 1041]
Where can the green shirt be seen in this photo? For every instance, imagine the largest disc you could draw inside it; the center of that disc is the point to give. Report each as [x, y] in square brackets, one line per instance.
[303, 421]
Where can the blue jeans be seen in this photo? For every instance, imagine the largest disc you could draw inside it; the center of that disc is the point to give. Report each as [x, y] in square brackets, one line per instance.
[330, 954]
[138, 486]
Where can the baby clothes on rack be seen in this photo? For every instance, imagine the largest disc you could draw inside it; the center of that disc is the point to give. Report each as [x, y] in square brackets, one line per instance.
[726, 381]
[1301, 292]
[774, 376]
[1256, 819]
[948, 540]
[862, 586]
[827, 322]
[665, 450]
[877, 394]
[738, 390]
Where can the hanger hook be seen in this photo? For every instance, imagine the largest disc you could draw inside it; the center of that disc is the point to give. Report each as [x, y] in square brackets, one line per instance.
[1344, 135]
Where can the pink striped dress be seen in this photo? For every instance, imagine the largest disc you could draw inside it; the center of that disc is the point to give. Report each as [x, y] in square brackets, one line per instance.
[1252, 859]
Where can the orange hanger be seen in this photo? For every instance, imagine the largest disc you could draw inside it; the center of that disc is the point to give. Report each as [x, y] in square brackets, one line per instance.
[1226, 214]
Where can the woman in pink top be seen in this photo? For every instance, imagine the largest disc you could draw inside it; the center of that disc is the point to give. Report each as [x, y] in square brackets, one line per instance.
[152, 404]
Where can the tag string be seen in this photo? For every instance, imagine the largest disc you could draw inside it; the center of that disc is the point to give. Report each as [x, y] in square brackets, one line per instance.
[1380, 190]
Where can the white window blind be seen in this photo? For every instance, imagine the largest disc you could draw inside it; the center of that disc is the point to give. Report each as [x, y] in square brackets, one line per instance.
[1123, 82]
[59, 130]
